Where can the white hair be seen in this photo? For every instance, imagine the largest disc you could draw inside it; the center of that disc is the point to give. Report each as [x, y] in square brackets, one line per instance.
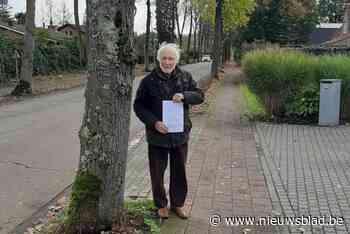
[171, 46]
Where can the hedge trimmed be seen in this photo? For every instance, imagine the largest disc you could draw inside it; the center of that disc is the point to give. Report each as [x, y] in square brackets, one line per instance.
[288, 80]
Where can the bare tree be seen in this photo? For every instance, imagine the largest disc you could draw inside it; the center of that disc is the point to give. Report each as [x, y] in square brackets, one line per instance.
[148, 26]
[26, 76]
[82, 51]
[5, 15]
[183, 6]
[346, 23]
[65, 16]
[49, 5]
[189, 35]
[98, 190]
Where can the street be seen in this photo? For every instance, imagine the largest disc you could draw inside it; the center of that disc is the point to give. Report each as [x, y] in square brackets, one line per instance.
[39, 148]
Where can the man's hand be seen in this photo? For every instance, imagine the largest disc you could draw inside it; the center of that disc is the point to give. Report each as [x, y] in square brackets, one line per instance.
[178, 97]
[160, 126]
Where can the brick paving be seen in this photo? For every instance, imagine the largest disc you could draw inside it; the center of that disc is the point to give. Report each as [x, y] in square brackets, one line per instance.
[307, 168]
[223, 169]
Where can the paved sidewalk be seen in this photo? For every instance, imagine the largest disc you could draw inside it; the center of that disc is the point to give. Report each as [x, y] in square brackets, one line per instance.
[223, 169]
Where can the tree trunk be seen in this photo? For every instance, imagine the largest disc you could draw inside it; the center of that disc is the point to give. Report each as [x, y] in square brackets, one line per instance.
[189, 37]
[180, 30]
[80, 36]
[207, 38]
[217, 40]
[195, 41]
[165, 21]
[176, 18]
[148, 26]
[200, 39]
[26, 76]
[346, 18]
[227, 49]
[98, 190]
[173, 19]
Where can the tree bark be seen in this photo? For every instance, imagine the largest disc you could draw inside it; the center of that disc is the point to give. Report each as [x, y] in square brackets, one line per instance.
[104, 131]
[346, 19]
[148, 26]
[178, 26]
[200, 39]
[80, 36]
[195, 42]
[189, 37]
[26, 75]
[217, 40]
[165, 21]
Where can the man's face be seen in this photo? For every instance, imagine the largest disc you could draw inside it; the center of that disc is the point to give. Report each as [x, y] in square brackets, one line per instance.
[167, 60]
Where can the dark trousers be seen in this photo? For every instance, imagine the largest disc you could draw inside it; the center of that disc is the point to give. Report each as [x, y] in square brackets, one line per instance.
[158, 161]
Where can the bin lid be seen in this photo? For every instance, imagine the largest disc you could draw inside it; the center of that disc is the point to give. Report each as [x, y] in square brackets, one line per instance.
[330, 80]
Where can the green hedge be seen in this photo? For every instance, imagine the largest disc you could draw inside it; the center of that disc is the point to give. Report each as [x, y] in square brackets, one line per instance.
[7, 60]
[48, 58]
[56, 58]
[288, 80]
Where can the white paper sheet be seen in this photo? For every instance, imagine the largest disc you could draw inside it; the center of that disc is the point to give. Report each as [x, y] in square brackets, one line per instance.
[173, 116]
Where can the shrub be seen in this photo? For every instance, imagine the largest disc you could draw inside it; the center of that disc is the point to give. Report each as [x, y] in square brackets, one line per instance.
[304, 105]
[7, 60]
[335, 67]
[48, 57]
[277, 73]
[288, 81]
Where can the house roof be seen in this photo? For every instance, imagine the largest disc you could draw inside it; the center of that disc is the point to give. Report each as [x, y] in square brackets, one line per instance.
[320, 35]
[18, 30]
[11, 29]
[339, 40]
[329, 25]
[73, 26]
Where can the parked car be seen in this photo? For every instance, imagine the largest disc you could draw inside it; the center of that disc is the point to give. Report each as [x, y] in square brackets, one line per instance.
[206, 58]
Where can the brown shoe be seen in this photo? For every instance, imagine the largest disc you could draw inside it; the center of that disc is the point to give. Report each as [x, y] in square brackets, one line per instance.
[163, 213]
[180, 212]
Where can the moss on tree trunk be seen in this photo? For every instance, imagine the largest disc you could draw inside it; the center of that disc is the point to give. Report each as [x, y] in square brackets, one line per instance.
[83, 207]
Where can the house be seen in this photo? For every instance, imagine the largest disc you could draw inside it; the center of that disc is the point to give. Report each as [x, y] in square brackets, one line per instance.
[333, 35]
[12, 34]
[70, 30]
[343, 40]
[325, 32]
[16, 35]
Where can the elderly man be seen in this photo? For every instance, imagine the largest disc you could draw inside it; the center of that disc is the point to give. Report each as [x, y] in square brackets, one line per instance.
[167, 83]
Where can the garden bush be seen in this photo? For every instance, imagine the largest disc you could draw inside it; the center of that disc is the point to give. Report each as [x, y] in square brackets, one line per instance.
[48, 57]
[7, 60]
[288, 80]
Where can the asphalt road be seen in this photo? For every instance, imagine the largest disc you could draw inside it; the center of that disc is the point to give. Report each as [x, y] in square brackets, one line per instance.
[39, 149]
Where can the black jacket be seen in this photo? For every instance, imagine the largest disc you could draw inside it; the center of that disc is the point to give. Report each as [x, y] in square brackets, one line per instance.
[156, 87]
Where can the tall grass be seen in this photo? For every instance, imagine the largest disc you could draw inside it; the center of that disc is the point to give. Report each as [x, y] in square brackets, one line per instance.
[253, 107]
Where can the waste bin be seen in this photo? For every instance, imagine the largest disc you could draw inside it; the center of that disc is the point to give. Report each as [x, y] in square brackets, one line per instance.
[329, 102]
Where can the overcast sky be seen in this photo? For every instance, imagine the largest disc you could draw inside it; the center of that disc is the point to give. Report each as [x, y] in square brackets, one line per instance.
[42, 12]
